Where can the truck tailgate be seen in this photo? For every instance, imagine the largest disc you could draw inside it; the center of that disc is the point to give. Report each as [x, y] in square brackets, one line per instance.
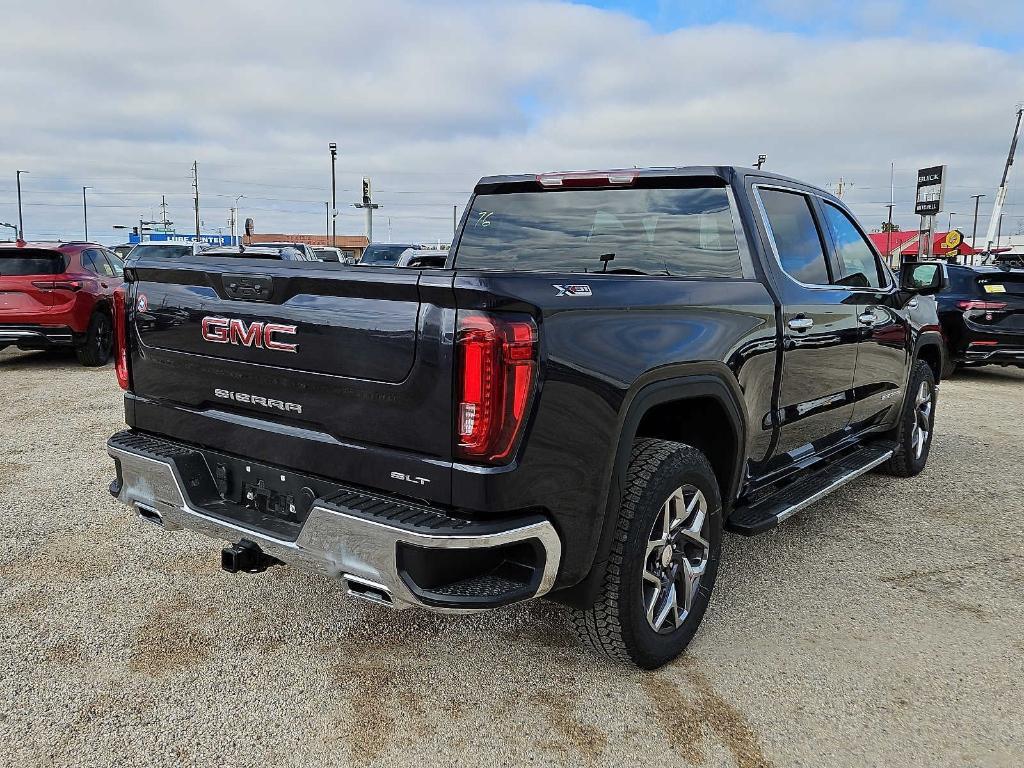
[350, 358]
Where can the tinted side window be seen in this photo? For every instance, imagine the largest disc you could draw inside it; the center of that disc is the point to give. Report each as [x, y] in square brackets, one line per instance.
[89, 261]
[859, 263]
[796, 236]
[99, 265]
[115, 263]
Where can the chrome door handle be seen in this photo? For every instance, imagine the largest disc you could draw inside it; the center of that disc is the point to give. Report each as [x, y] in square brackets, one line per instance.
[868, 318]
[801, 323]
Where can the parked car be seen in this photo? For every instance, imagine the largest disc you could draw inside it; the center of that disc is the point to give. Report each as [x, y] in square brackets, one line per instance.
[308, 254]
[59, 295]
[261, 251]
[168, 249]
[618, 366]
[122, 250]
[383, 254]
[329, 254]
[422, 257]
[981, 310]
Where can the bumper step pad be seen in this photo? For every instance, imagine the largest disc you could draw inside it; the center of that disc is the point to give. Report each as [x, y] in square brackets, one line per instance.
[388, 550]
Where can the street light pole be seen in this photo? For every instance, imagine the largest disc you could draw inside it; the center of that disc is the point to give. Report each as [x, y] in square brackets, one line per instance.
[21, 223]
[974, 231]
[3, 224]
[238, 221]
[85, 213]
[334, 195]
[949, 222]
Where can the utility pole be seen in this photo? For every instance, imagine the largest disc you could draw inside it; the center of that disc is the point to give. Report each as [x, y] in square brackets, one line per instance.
[455, 221]
[85, 213]
[195, 185]
[327, 208]
[892, 204]
[334, 194]
[21, 223]
[163, 213]
[369, 206]
[888, 237]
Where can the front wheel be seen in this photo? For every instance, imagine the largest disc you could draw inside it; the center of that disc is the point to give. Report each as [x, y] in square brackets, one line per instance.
[917, 424]
[664, 561]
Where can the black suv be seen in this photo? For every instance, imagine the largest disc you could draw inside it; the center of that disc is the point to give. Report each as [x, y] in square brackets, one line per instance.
[981, 310]
[609, 370]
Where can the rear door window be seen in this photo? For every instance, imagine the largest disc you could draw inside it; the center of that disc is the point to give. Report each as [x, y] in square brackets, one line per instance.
[687, 232]
[797, 240]
[94, 261]
[31, 261]
[115, 263]
[860, 265]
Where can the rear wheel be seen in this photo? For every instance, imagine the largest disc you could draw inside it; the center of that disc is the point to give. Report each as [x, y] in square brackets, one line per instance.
[917, 424]
[98, 344]
[664, 561]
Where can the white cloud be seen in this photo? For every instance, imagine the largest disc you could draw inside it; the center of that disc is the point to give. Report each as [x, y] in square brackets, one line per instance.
[426, 97]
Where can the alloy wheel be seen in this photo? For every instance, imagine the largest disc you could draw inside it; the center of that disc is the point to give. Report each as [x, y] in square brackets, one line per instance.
[104, 337]
[923, 404]
[677, 556]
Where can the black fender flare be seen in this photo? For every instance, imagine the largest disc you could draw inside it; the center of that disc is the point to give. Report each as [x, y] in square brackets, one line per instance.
[931, 338]
[679, 382]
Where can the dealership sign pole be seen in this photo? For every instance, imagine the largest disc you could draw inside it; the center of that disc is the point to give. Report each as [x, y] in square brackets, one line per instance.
[931, 187]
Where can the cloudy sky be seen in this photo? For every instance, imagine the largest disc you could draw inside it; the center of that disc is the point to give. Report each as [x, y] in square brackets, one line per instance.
[425, 97]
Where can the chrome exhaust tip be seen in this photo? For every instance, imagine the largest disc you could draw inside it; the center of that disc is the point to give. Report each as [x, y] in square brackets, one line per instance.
[150, 515]
[368, 590]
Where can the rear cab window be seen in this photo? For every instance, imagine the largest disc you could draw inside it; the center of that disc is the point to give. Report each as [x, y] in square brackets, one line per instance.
[677, 231]
[31, 261]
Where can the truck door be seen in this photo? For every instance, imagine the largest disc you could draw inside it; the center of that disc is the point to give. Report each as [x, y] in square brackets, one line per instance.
[883, 353]
[819, 327]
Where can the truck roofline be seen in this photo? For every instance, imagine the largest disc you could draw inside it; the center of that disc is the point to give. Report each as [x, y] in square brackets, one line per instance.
[727, 173]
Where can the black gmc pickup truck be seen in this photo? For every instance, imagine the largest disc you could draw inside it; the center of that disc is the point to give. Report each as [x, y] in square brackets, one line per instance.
[611, 369]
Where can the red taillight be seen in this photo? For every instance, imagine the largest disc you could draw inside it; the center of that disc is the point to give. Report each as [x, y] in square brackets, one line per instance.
[120, 339]
[986, 306]
[58, 285]
[496, 369]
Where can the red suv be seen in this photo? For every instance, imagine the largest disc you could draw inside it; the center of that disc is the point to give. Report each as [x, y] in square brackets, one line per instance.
[59, 295]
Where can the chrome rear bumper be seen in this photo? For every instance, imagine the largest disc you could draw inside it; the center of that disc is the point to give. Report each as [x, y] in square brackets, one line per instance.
[340, 540]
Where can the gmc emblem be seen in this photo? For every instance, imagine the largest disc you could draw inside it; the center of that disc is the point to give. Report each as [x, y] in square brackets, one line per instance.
[222, 330]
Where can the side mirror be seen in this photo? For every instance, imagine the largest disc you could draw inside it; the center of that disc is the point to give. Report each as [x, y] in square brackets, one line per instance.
[925, 278]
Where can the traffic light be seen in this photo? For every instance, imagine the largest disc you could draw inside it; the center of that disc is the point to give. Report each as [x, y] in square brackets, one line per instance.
[366, 190]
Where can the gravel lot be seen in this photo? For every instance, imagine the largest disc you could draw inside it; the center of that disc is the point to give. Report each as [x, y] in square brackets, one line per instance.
[883, 626]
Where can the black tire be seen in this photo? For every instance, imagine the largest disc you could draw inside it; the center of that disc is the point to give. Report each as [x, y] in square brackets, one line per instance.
[98, 345]
[917, 424]
[617, 624]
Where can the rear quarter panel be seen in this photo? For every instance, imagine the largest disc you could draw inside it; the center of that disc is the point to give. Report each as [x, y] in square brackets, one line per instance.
[596, 351]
